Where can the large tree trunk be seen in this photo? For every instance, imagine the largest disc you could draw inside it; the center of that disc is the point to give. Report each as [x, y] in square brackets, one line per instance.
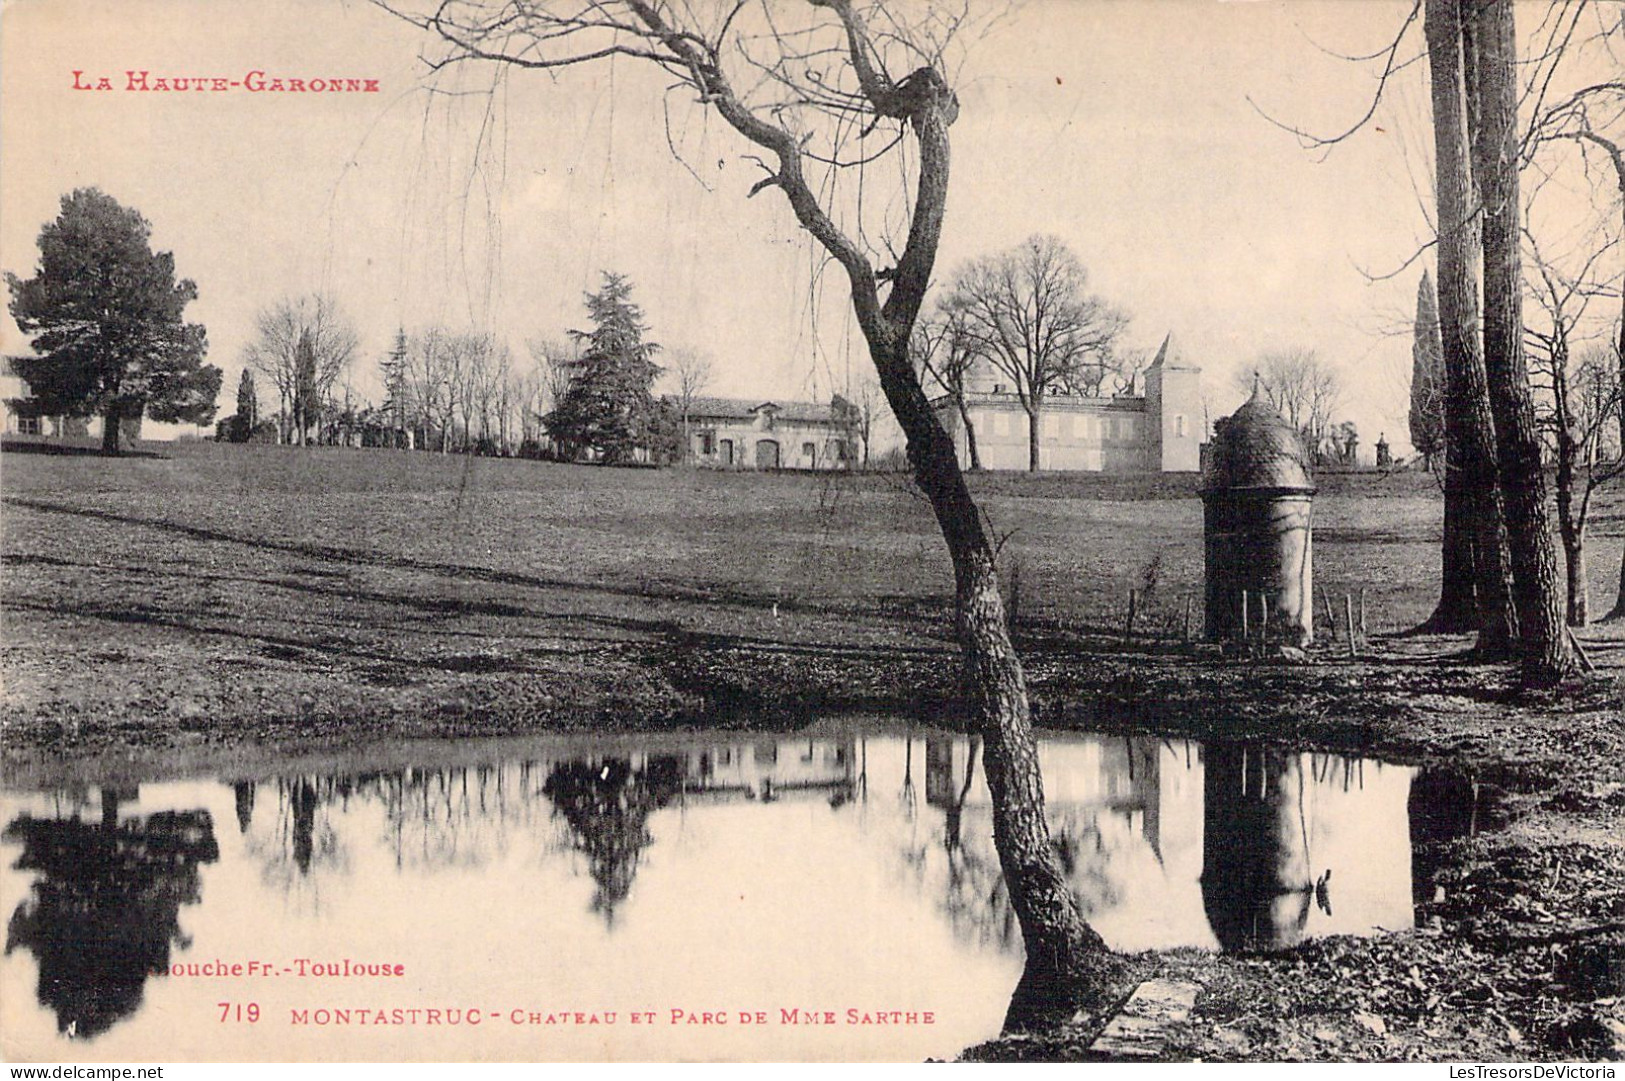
[111, 424]
[1570, 524]
[1035, 406]
[970, 433]
[1457, 611]
[1066, 960]
[1617, 156]
[1618, 610]
[1063, 952]
[1579, 600]
[1474, 593]
[1542, 637]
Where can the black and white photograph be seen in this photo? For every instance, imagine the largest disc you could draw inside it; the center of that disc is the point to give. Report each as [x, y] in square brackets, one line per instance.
[877, 531]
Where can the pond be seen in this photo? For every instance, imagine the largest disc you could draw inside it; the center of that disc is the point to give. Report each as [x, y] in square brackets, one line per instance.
[830, 894]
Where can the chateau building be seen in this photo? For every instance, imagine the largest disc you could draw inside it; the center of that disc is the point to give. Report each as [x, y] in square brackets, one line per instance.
[1159, 431]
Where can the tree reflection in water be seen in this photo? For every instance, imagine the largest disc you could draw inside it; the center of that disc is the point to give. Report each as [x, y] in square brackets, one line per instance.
[973, 894]
[974, 897]
[103, 914]
[607, 805]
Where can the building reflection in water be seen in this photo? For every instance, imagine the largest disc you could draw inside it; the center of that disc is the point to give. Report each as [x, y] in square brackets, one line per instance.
[104, 910]
[1166, 844]
[1257, 879]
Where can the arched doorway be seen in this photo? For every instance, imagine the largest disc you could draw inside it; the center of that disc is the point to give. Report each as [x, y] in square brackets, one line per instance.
[767, 454]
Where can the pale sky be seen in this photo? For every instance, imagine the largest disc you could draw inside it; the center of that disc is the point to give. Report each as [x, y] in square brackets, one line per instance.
[1122, 127]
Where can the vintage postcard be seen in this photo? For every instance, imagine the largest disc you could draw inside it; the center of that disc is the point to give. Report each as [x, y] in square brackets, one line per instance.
[811, 530]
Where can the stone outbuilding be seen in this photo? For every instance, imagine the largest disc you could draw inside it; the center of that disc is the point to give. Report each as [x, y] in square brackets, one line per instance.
[744, 433]
[1257, 500]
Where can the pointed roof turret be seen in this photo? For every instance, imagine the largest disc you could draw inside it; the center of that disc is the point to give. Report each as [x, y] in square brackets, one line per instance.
[1162, 353]
[1170, 355]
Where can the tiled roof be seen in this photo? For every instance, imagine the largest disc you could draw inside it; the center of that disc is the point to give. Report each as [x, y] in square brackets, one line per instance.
[747, 408]
[1257, 448]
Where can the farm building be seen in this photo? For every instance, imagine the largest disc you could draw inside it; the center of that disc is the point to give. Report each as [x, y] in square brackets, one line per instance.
[25, 426]
[1159, 431]
[743, 433]
[14, 422]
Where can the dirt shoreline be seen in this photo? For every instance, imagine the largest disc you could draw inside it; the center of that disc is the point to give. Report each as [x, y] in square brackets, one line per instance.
[1520, 956]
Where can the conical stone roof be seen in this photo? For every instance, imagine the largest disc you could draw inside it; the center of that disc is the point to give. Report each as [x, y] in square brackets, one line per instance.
[1257, 449]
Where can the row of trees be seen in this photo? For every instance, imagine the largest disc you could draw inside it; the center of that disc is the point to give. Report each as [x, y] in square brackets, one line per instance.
[1499, 566]
[442, 389]
[1576, 379]
[590, 396]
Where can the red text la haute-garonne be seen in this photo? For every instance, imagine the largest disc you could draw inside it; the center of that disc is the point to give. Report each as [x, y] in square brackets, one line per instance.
[254, 82]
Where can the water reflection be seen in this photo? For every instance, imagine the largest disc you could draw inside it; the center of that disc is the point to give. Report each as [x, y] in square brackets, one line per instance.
[104, 908]
[801, 869]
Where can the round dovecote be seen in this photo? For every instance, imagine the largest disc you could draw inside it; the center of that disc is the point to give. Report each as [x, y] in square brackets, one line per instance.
[1257, 498]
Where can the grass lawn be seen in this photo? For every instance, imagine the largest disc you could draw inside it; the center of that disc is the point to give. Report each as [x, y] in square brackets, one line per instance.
[222, 597]
[239, 591]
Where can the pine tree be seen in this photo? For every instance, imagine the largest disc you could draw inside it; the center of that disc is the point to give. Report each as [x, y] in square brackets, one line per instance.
[394, 369]
[306, 412]
[104, 313]
[1427, 375]
[609, 406]
[248, 409]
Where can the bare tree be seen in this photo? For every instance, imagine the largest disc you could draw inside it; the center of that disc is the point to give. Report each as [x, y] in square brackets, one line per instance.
[275, 353]
[1582, 401]
[433, 361]
[1030, 318]
[1593, 117]
[555, 361]
[867, 401]
[945, 353]
[803, 83]
[1302, 387]
[691, 374]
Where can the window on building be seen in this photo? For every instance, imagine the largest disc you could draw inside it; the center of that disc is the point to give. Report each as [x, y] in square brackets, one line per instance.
[809, 450]
[1179, 425]
[708, 443]
[28, 425]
